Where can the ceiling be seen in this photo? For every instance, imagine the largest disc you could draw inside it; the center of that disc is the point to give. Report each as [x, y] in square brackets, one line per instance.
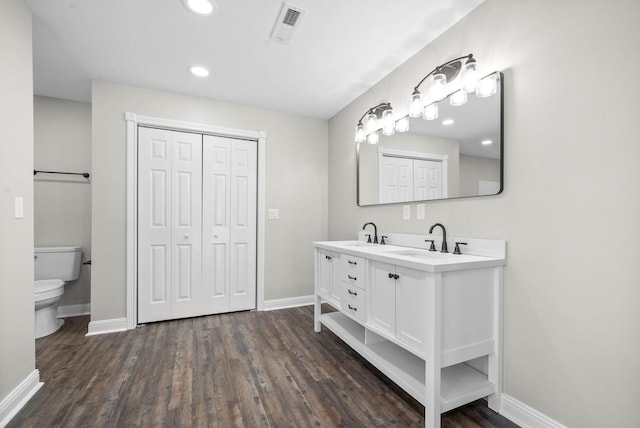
[340, 48]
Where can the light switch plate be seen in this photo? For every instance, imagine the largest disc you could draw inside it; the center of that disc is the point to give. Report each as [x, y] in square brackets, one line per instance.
[19, 207]
[420, 211]
[274, 214]
[406, 212]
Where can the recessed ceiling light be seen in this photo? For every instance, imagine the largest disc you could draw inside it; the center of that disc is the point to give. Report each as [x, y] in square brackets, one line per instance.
[199, 71]
[448, 122]
[201, 7]
[486, 142]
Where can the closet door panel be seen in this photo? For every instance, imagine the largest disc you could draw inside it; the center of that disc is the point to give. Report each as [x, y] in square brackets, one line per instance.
[243, 224]
[216, 167]
[154, 225]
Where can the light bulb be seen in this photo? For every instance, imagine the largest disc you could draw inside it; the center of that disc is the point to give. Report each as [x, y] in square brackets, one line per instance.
[487, 87]
[373, 138]
[470, 76]
[402, 125]
[438, 86]
[430, 112]
[360, 135]
[458, 98]
[388, 124]
[415, 108]
[372, 123]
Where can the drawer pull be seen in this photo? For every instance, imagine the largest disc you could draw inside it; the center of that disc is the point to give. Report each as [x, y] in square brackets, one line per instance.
[353, 278]
[351, 262]
[352, 308]
[328, 257]
[352, 292]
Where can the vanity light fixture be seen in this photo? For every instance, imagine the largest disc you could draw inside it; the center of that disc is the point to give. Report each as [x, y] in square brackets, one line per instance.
[487, 86]
[201, 7]
[198, 70]
[440, 78]
[458, 98]
[402, 124]
[377, 118]
[430, 112]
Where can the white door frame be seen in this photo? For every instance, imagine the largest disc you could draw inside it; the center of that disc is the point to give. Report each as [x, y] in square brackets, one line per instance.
[133, 121]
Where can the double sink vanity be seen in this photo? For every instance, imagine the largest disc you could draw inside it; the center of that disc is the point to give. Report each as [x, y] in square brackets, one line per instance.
[430, 321]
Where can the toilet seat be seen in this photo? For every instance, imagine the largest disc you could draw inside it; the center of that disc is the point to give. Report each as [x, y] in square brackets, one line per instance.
[48, 288]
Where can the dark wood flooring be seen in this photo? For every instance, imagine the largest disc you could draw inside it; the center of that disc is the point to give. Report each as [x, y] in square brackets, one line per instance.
[246, 369]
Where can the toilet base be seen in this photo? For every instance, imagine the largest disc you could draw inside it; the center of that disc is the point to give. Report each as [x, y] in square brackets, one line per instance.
[46, 321]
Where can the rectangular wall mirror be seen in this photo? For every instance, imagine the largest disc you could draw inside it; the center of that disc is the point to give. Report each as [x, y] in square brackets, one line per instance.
[437, 159]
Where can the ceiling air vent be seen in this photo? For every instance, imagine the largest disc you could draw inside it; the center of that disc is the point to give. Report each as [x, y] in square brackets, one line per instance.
[287, 22]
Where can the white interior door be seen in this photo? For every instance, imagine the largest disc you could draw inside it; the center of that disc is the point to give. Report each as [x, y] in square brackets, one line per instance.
[169, 224]
[229, 222]
[154, 225]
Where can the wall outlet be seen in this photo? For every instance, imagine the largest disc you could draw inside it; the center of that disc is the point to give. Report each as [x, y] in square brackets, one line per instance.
[274, 214]
[406, 212]
[420, 208]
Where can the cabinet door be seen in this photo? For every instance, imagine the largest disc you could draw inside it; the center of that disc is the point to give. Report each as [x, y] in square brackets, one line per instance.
[411, 307]
[328, 275]
[382, 300]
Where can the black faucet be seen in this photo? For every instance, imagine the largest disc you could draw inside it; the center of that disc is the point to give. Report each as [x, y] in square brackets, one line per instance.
[444, 237]
[375, 232]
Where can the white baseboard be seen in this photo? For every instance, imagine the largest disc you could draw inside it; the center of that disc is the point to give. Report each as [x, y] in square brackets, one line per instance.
[17, 398]
[525, 416]
[290, 302]
[107, 326]
[74, 310]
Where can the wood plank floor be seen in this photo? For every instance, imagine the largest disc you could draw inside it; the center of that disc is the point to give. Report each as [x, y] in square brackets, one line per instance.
[246, 369]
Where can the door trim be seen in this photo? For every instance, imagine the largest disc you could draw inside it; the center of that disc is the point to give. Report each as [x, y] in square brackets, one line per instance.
[133, 121]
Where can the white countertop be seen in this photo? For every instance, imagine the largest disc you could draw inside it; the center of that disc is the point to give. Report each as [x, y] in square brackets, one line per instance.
[415, 258]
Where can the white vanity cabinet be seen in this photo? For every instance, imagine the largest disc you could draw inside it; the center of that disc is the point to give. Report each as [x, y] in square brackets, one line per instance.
[328, 275]
[397, 301]
[431, 322]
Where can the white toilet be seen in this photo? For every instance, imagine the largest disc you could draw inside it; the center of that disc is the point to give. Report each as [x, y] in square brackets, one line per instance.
[54, 267]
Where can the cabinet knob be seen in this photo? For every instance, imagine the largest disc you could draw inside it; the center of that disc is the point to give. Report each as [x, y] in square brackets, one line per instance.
[327, 257]
[393, 275]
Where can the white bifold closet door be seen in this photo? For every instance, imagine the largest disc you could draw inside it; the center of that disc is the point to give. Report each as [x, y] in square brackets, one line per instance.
[181, 217]
[229, 222]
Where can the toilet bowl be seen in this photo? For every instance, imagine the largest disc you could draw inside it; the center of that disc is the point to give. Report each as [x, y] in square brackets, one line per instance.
[54, 267]
[47, 296]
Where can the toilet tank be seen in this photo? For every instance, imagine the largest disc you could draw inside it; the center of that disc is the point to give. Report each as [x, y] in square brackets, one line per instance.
[58, 263]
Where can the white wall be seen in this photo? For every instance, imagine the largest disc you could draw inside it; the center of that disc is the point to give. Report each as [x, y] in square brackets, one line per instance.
[571, 206]
[17, 352]
[62, 204]
[296, 183]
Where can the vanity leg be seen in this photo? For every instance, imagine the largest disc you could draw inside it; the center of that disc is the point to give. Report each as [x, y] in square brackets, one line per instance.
[495, 359]
[317, 311]
[433, 361]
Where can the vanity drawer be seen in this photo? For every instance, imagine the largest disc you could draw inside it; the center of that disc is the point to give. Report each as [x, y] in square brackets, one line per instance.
[353, 301]
[353, 270]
